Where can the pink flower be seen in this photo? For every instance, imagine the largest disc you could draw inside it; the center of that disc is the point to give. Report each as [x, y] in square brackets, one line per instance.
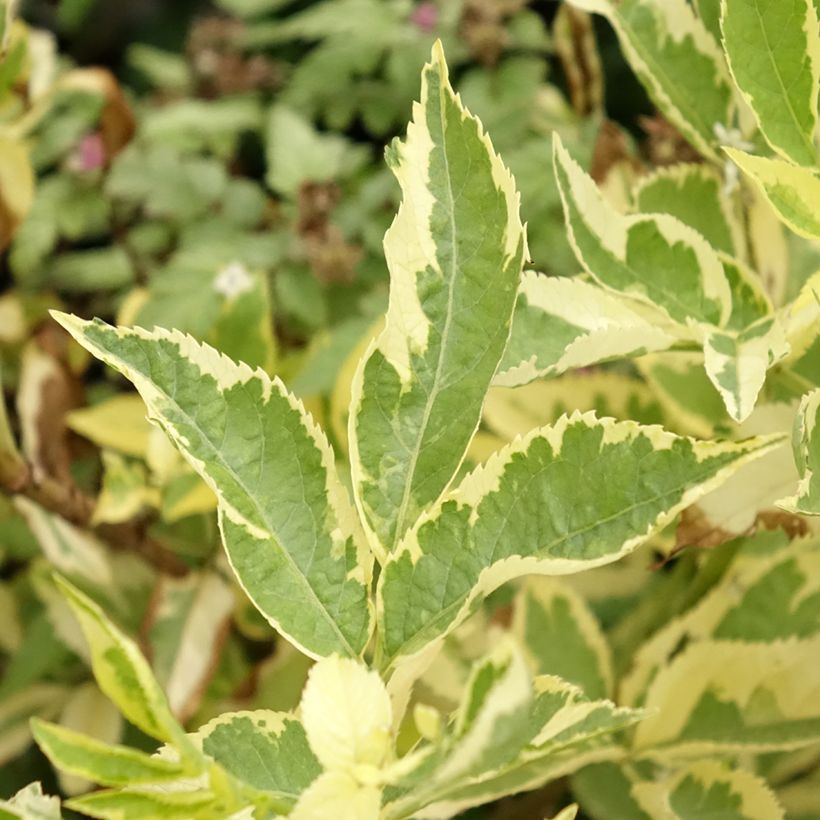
[89, 153]
[425, 16]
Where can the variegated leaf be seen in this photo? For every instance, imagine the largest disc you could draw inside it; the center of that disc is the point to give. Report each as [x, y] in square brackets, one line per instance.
[122, 672]
[736, 363]
[102, 763]
[266, 750]
[708, 788]
[762, 597]
[511, 412]
[677, 60]
[723, 695]
[806, 445]
[774, 55]
[701, 789]
[111, 804]
[455, 252]
[29, 803]
[561, 637]
[289, 529]
[688, 397]
[576, 495]
[561, 323]
[792, 191]
[655, 259]
[510, 733]
[695, 195]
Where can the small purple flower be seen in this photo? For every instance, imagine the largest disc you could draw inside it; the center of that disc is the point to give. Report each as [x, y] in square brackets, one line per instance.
[425, 16]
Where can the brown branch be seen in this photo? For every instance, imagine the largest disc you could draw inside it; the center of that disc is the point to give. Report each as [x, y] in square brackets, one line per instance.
[69, 502]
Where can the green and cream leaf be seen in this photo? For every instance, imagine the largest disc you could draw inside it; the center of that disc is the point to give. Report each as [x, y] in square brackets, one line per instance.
[564, 323]
[573, 496]
[102, 763]
[455, 252]
[736, 363]
[290, 532]
[654, 258]
[773, 51]
[677, 60]
[793, 191]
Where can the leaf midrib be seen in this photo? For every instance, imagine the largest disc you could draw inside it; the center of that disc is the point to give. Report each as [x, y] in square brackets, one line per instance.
[458, 603]
[254, 501]
[401, 513]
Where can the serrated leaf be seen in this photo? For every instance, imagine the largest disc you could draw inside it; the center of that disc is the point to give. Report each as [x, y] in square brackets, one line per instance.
[102, 763]
[122, 672]
[573, 496]
[773, 51]
[289, 529]
[562, 730]
[704, 788]
[510, 412]
[655, 259]
[722, 696]
[29, 803]
[736, 363]
[455, 252]
[806, 444]
[561, 636]
[561, 323]
[695, 195]
[792, 191]
[267, 750]
[761, 598]
[677, 60]
[708, 789]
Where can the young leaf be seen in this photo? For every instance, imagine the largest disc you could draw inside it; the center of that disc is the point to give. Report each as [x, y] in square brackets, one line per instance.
[807, 457]
[774, 55]
[561, 323]
[573, 496]
[289, 529]
[793, 191]
[677, 60]
[267, 750]
[560, 732]
[99, 762]
[455, 252]
[655, 259]
[736, 363]
[124, 675]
